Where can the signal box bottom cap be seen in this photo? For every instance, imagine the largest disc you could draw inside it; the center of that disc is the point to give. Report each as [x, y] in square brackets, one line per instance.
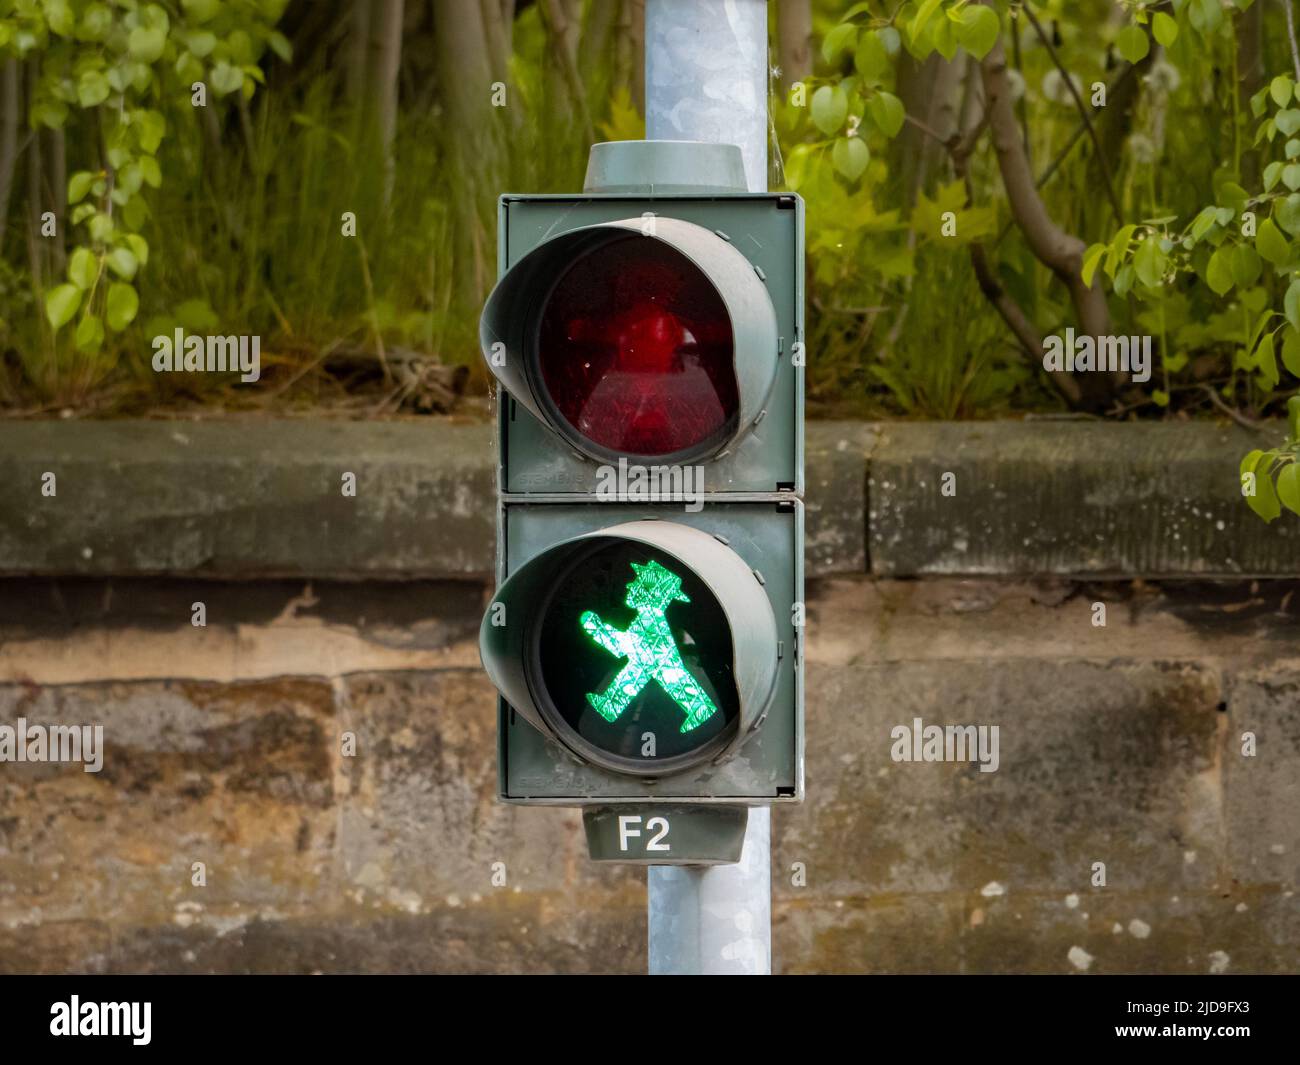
[665, 835]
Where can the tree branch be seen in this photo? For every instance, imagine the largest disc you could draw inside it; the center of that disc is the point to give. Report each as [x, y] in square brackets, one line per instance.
[1061, 252]
[1083, 113]
[563, 38]
[1031, 341]
[960, 146]
[8, 137]
[1290, 33]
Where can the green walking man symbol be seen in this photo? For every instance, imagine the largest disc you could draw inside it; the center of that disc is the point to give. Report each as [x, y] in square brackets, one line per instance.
[650, 650]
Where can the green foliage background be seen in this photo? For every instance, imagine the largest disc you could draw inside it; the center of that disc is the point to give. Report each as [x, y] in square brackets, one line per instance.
[1183, 186]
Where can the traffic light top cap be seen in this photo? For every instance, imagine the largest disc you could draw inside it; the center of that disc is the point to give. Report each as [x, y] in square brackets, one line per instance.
[664, 168]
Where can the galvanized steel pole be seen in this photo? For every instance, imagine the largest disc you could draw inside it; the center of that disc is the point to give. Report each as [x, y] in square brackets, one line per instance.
[706, 80]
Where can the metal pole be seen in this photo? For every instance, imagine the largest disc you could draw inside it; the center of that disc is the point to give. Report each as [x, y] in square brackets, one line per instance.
[715, 920]
[706, 76]
[706, 80]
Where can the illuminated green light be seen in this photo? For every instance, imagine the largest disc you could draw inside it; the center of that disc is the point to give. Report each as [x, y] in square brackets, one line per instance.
[649, 648]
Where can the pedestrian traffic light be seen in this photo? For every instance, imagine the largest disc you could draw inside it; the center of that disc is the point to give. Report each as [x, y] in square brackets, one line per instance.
[646, 632]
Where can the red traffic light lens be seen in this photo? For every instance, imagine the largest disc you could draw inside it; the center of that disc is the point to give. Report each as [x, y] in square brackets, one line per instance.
[635, 349]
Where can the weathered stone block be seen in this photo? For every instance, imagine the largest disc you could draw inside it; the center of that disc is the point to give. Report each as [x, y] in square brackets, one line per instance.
[1141, 499]
[248, 498]
[835, 460]
[1263, 789]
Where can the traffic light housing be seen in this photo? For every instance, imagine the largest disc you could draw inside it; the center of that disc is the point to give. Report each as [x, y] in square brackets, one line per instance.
[646, 634]
[623, 280]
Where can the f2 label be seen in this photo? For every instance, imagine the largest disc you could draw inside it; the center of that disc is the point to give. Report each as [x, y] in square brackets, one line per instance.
[656, 829]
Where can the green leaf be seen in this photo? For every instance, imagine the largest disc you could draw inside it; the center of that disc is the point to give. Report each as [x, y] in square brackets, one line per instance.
[1264, 502]
[944, 34]
[850, 157]
[51, 114]
[1245, 265]
[1234, 197]
[1204, 222]
[134, 212]
[923, 14]
[1291, 353]
[830, 106]
[1133, 44]
[280, 45]
[228, 79]
[82, 268]
[197, 316]
[1149, 262]
[122, 262]
[1266, 361]
[101, 227]
[155, 16]
[1091, 259]
[1291, 176]
[1124, 279]
[150, 171]
[92, 88]
[1118, 249]
[201, 44]
[1281, 88]
[139, 247]
[78, 185]
[61, 304]
[839, 39]
[119, 76]
[1164, 28]
[149, 129]
[1218, 274]
[1293, 418]
[122, 305]
[201, 10]
[188, 69]
[240, 47]
[796, 166]
[886, 112]
[978, 30]
[90, 334]
[146, 44]
[1272, 173]
[1291, 304]
[1288, 487]
[129, 180]
[1287, 121]
[1206, 15]
[59, 18]
[96, 22]
[871, 60]
[1270, 243]
[1287, 213]
[1160, 396]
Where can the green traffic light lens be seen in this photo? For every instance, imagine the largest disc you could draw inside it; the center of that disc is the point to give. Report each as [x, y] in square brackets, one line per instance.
[634, 656]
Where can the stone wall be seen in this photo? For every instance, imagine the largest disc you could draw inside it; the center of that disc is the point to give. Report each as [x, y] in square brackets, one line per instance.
[225, 744]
